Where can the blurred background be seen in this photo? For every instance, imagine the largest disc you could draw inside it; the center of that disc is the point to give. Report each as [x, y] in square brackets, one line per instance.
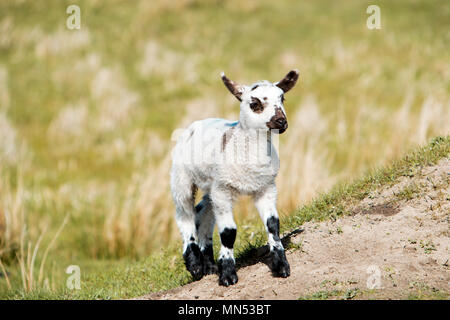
[86, 116]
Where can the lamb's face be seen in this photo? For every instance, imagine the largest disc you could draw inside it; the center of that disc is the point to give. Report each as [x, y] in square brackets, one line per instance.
[262, 105]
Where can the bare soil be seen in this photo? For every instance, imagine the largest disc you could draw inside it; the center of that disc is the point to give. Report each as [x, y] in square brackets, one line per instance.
[396, 245]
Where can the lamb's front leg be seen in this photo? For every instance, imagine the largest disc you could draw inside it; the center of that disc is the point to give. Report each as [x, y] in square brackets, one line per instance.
[265, 203]
[222, 201]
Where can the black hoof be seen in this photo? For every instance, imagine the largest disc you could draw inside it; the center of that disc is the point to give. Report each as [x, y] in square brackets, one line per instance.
[193, 259]
[227, 273]
[209, 266]
[280, 266]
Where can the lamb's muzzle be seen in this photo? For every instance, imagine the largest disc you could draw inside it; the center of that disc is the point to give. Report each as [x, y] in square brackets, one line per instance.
[278, 121]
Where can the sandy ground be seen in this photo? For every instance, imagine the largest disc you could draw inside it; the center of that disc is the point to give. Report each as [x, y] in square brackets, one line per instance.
[395, 246]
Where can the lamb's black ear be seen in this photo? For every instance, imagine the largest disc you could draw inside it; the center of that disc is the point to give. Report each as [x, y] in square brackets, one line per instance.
[234, 88]
[289, 81]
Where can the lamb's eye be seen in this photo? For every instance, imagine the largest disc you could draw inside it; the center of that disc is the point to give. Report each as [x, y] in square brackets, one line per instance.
[256, 105]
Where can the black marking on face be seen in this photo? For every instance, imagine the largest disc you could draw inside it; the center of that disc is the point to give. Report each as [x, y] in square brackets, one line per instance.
[256, 105]
[254, 87]
[273, 225]
[278, 121]
[227, 237]
[282, 98]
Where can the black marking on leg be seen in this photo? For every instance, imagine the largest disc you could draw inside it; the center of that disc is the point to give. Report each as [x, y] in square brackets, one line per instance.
[209, 266]
[273, 225]
[280, 266]
[227, 237]
[227, 272]
[199, 206]
[193, 259]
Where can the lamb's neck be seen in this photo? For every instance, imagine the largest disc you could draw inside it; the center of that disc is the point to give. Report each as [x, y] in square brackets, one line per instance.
[252, 135]
[257, 144]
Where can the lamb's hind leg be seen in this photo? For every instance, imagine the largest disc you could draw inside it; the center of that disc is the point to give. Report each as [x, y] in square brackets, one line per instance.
[184, 198]
[222, 205]
[205, 222]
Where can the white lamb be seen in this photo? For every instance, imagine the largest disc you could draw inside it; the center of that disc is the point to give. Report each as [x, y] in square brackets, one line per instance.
[225, 159]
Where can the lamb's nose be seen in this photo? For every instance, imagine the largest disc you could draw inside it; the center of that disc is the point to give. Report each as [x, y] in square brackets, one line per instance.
[281, 122]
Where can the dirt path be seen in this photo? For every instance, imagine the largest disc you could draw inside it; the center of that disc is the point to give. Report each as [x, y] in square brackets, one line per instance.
[395, 246]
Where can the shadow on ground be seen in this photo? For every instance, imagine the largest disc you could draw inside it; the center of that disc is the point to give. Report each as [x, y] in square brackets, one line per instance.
[262, 254]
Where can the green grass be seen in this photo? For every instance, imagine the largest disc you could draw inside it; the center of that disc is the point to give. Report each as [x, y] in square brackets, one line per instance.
[421, 291]
[409, 192]
[165, 269]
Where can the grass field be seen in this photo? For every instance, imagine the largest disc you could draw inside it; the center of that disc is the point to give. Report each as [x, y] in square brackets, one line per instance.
[87, 116]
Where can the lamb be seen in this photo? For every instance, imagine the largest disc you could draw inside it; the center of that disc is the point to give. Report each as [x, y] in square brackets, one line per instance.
[226, 159]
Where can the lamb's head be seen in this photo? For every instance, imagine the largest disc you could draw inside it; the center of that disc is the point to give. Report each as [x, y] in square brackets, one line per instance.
[262, 103]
